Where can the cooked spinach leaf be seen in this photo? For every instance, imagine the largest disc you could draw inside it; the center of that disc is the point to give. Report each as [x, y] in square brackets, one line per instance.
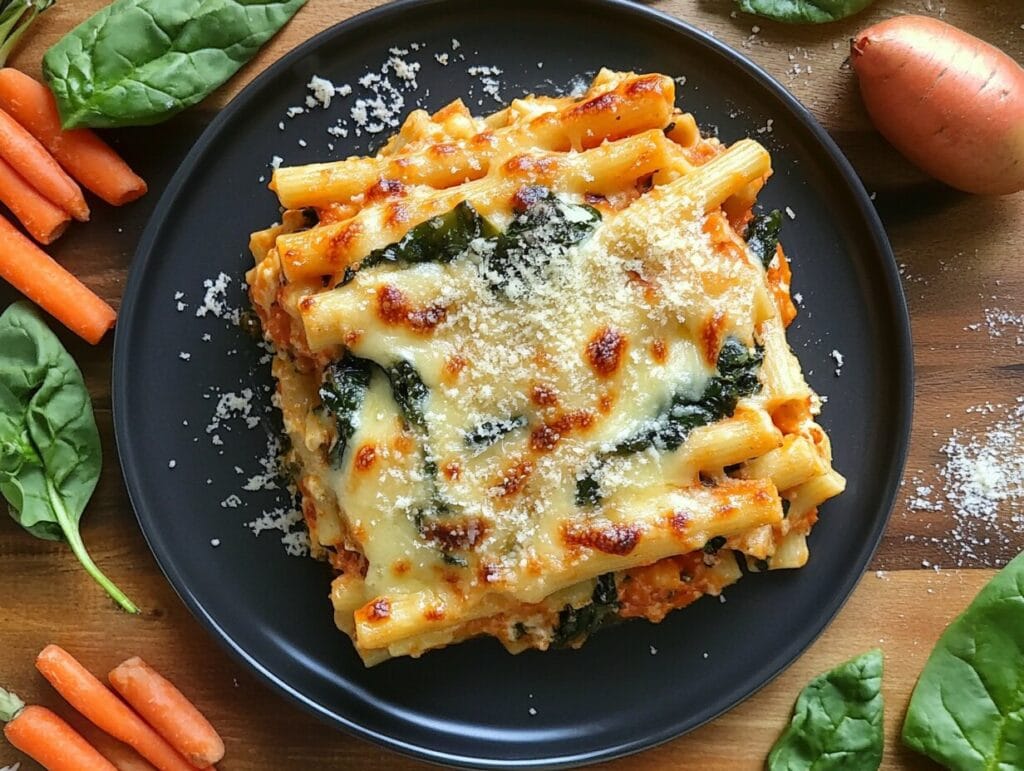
[837, 722]
[544, 229]
[804, 11]
[588, 489]
[50, 455]
[342, 393]
[490, 431]
[138, 62]
[576, 624]
[439, 239]
[966, 710]
[713, 545]
[16, 16]
[410, 392]
[763, 236]
[737, 377]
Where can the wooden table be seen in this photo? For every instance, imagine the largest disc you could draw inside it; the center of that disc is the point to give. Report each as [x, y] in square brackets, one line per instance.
[961, 255]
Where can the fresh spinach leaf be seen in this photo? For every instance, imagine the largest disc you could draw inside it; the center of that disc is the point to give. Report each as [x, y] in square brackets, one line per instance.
[544, 229]
[804, 11]
[16, 16]
[763, 236]
[342, 392]
[138, 62]
[50, 454]
[967, 710]
[737, 377]
[837, 722]
[576, 624]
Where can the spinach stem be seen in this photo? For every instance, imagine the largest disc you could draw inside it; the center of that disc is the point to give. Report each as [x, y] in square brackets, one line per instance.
[10, 706]
[74, 539]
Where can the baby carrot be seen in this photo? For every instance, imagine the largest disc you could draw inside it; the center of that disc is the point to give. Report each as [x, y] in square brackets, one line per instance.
[166, 709]
[30, 159]
[46, 738]
[42, 219]
[120, 754]
[96, 702]
[83, 155]
[37, 276]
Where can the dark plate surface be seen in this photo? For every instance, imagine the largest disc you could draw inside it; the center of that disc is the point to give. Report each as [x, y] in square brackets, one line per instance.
[471, 704]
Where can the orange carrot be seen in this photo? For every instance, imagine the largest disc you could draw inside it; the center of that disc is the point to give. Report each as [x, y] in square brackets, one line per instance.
[120, 754]
[42, 219]
[46, 738]
[37, 276]
[95, 701]
[166, 709]
[83, 155]
[30, 159]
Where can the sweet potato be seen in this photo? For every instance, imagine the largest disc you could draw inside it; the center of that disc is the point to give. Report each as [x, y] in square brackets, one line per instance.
[951, 103]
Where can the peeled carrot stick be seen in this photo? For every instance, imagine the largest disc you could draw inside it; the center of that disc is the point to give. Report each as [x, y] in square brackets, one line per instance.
[166, 709]
[123, 757]
[83, 155]
[46, 738]
[95, 701]
[37, 276]
[30, 159]
[44, 220]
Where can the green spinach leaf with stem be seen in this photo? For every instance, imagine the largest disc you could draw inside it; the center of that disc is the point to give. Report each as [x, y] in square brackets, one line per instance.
[138, 62]
[804, 11]
[837, 722]
[16, 16]
[50, 453]
[967, 710]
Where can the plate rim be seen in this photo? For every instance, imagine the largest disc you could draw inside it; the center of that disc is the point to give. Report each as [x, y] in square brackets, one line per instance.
[903, 353]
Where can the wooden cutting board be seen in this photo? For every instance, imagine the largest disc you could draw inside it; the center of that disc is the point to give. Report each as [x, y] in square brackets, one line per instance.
[960, 257]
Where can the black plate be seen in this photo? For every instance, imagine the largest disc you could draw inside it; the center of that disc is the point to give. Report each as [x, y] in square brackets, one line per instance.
[471, 704]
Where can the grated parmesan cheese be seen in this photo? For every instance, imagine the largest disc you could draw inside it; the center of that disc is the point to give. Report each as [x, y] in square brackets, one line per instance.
[837, 357]
[1001, 323]
[981, 486]
[322, 91]
[289, 522]
[488, 77]
[215, 299]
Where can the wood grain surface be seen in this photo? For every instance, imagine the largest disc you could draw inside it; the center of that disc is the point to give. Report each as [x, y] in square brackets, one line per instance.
[960, 256]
